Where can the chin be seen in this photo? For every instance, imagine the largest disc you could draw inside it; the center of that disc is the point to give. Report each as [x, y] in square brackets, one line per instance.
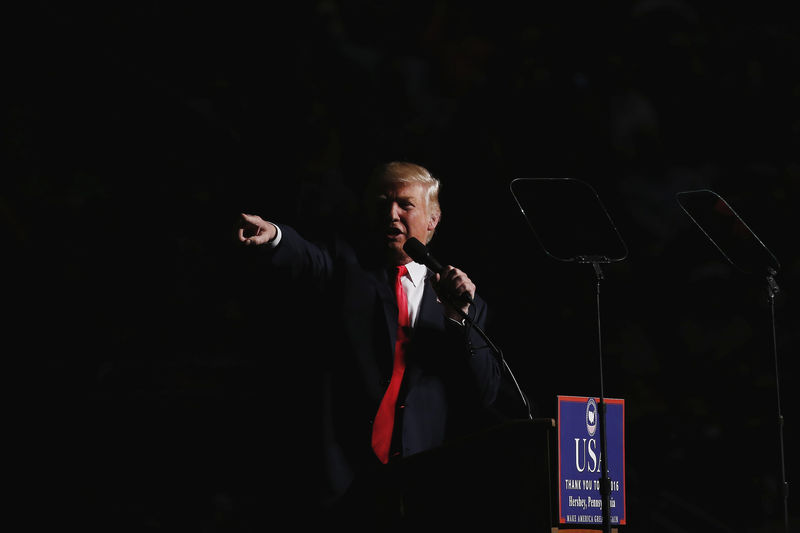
[396, 255]
[396, 243]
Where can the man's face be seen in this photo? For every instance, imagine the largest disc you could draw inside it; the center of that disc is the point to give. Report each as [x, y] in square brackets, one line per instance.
[402, 213]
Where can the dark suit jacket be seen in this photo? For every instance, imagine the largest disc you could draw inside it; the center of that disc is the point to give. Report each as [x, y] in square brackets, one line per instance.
[450, 372]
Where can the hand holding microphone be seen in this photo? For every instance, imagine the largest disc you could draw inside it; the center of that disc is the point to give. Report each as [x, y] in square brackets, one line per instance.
[452, 285]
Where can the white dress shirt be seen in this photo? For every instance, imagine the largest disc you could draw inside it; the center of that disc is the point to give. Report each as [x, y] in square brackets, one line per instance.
[414, 285]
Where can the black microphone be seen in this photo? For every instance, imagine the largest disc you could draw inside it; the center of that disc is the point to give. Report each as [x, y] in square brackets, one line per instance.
[420, 254]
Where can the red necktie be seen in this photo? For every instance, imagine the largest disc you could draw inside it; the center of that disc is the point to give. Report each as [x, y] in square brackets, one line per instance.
[384, 420]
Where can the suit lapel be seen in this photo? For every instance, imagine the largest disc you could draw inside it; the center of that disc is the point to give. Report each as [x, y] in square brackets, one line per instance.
[430, 311]
[390, 313]
[370, 318]
[430, 318]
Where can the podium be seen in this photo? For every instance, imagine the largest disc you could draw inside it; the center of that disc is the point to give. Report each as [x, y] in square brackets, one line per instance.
[500, 478]
[503, 478]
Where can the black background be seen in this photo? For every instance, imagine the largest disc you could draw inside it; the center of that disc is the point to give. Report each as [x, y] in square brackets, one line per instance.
[160, 388]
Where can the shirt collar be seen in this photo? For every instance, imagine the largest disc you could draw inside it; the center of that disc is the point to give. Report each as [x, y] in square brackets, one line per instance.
[417, 272]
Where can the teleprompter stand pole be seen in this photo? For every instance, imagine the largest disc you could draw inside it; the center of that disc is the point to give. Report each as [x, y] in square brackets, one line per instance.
[772, 290]
[605, 483]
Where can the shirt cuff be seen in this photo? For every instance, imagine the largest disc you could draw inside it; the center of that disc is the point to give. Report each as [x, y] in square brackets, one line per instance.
[277, 239]
[461, 322]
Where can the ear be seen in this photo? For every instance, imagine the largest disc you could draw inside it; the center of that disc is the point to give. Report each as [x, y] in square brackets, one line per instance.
[433, 221]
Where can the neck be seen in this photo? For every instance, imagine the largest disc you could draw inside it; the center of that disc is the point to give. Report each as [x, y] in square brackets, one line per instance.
[397, 258]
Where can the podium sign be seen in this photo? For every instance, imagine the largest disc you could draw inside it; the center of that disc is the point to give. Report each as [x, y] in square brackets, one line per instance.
[579, 460]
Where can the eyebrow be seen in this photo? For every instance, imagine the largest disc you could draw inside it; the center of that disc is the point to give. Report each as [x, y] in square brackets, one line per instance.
[396, 198]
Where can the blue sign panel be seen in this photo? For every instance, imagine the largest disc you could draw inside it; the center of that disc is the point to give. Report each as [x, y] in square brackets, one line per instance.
[580, 462]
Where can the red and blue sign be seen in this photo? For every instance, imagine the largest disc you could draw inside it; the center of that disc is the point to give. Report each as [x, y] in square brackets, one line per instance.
[580, 462]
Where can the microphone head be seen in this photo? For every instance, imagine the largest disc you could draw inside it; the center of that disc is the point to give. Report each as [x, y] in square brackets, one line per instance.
[420, 254]
[416, 250]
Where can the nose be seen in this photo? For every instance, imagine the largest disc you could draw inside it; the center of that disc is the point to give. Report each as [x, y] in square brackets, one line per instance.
[394, 211]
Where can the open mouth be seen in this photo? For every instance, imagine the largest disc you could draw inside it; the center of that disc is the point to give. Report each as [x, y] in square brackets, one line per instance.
[393, 232]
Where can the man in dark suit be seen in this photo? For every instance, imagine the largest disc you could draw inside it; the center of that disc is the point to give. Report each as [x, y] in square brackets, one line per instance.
[446, 374]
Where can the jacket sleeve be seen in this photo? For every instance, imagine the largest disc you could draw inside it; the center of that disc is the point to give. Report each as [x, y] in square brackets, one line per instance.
[299, 258]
